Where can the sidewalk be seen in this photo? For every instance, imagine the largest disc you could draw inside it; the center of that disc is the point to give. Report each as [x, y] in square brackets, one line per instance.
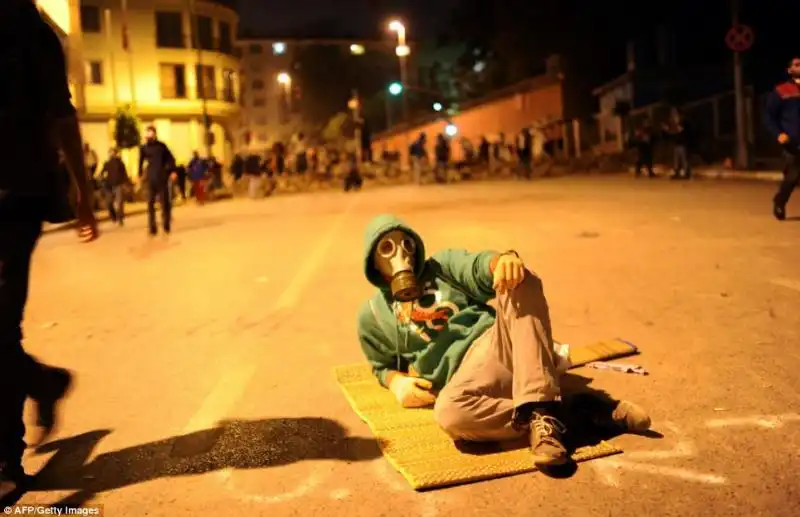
[724, 174]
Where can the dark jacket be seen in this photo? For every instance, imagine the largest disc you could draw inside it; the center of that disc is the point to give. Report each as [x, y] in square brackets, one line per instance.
[159, 161]
[114, 173]
[34, 92]
[782, 113]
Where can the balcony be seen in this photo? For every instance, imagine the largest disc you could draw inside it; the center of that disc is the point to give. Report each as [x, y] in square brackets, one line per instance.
[184, 41]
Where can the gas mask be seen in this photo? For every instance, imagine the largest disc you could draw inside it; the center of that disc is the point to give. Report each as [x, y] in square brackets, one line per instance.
[394, 259]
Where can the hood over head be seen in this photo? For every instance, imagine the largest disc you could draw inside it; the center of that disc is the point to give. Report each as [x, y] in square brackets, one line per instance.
[377, 228]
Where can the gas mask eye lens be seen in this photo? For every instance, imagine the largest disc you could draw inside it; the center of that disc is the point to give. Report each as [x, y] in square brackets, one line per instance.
[386, 248]
[408, 245]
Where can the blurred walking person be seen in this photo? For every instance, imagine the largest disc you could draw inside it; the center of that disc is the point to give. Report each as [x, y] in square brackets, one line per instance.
[37, 119]
[198, 176]
[160, 163]
[679, 131]
[525, 154]
[114, 177]
[253, 171]
[782, 118]
[644, 142]
[442, 153]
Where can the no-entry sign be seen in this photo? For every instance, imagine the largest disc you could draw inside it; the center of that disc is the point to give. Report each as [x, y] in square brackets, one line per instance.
[740, 38]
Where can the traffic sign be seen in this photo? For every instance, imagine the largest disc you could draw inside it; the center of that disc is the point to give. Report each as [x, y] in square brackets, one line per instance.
[740, 38]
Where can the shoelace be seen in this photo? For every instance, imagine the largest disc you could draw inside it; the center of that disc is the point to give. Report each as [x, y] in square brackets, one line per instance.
[546, 425]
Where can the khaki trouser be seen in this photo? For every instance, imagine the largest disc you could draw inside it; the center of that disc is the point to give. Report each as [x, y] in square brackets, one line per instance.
[511, 364]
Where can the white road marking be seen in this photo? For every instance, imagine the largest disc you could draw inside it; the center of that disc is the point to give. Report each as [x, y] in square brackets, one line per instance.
[428, 501]
[788, 283]
[609, 468]
[661, 470]
[303, 489]
[341, 494]
[765, 421]
[236, 376]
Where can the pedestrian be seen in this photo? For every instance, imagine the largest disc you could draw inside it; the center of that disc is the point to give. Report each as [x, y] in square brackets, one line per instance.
[115, 180]
[37, 119]
[679, 130]
[160, 162]
[418, 153]
[252, 169]
[237, 167]
[644, 142]
[782, 118]
[442, 152]
[90, 157]
[525, 154]
[179, 181]
[353, 179]
[198, 175]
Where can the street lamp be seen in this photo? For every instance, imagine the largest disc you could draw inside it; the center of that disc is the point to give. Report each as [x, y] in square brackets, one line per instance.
[451, 130]
[286, 81]
[356, 49]
[437, 106]
[402, 50]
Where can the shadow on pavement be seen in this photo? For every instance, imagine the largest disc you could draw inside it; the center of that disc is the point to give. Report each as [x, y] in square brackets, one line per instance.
[237, 444]
[583, 410]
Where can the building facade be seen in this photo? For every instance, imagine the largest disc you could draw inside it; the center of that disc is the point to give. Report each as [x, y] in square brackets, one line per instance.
[171, 61]
[271, 103]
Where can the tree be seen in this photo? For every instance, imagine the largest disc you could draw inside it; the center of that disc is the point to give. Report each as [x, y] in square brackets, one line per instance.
[333, 130]
[126, 129]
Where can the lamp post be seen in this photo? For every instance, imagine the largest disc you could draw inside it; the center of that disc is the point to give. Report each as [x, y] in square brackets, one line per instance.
[402, 50]
[355, 106]
[200, 79]
[285, 80]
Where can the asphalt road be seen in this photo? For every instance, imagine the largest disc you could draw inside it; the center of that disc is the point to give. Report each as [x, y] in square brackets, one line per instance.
[243, 313]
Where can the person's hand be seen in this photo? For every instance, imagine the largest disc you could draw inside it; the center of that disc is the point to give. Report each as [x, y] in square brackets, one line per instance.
[411, 392]
[509, 272]
[783, 139]
[87, 223]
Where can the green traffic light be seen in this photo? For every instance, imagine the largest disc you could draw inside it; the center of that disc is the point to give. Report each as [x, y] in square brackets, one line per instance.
[395, 88]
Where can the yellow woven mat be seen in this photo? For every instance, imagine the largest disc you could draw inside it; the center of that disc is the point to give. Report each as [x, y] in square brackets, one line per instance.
[601, 351]
[416, 446]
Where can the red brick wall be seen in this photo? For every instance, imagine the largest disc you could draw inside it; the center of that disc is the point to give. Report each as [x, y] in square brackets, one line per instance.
[507, 115]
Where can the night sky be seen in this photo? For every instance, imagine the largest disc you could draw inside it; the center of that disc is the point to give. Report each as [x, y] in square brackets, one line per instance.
[359, 18]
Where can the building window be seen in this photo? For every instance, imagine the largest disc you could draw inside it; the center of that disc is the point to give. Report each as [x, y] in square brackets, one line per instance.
[169, 30]
[94, 72]
[206, 82]
[259, 103]
[258, 84]
[228, 94]
[225, 40]
[255, 48]
[204, 33]
[173, 81]
[90, 19]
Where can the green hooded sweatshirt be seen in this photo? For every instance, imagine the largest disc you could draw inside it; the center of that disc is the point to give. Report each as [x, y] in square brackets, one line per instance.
[449, 316]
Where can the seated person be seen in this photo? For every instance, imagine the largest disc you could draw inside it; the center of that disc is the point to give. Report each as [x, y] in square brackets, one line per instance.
[432, 338]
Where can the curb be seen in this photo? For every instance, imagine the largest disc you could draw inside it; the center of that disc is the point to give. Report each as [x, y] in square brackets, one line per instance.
[130, 212]
[724, 174]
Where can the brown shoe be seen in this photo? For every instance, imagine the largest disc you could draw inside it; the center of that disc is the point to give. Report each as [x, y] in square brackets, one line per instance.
[547, 435]
[630, 418]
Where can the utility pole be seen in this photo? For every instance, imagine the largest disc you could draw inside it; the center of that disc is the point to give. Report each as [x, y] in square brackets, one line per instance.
[200, 79]
[742, 160]
[355, 105]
